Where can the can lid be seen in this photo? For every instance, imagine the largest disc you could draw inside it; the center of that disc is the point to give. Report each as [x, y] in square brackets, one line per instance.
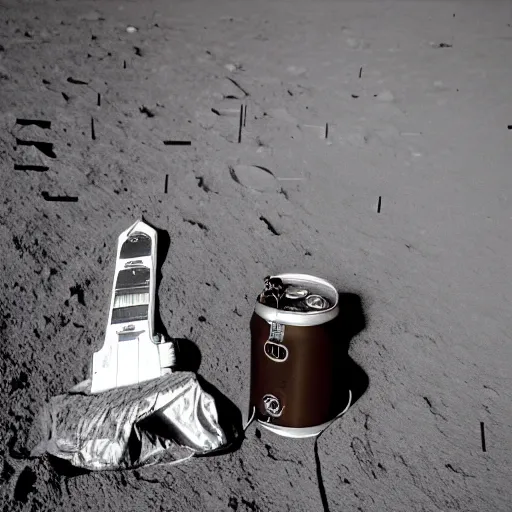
[315, 286]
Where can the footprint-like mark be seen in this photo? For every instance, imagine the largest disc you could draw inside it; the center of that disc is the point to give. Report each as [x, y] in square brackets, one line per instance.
[364, 455]
[254, 177]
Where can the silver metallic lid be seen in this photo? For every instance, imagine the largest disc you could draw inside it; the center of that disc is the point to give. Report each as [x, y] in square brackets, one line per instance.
[316, 286]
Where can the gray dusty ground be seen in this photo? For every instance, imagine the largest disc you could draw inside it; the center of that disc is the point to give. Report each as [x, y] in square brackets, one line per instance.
[417, 98]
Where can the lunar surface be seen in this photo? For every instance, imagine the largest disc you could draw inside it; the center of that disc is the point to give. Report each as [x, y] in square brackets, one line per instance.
[365, 142]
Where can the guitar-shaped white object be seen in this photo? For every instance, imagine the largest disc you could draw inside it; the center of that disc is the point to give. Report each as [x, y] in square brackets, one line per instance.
[132, 352]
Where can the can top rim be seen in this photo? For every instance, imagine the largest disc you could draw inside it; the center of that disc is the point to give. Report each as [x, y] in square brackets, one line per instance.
[302, 318]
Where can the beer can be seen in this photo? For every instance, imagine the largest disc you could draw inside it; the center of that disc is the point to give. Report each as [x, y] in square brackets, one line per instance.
[293, 359]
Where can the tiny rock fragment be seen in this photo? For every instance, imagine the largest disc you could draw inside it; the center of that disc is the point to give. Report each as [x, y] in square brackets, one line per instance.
[131, 29]
[440, 45]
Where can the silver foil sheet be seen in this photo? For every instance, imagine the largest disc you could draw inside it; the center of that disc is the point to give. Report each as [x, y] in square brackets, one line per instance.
[163, 420]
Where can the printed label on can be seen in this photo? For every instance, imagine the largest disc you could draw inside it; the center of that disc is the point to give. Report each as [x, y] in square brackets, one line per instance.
[273, 347]
[272, 406]
[275, 351]
[276, 332]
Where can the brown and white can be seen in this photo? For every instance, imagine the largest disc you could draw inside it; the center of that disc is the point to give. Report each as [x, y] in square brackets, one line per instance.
[292, 362]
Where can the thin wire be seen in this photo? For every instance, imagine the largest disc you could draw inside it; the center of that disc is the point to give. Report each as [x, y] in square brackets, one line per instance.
[320, 480]
[174, 462]
[251, 419]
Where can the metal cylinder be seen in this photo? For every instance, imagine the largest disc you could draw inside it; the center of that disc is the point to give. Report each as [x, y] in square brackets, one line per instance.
[293, 362]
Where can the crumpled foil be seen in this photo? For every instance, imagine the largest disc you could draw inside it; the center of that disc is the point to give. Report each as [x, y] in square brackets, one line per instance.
[165, 420]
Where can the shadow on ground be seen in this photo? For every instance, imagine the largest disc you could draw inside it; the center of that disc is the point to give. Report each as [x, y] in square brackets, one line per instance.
[349, 375]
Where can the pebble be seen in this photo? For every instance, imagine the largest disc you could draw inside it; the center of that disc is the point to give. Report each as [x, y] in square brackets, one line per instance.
[230, 67]
[131, 30]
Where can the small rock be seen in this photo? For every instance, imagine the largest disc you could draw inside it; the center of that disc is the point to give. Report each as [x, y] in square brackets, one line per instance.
[433, 44]
[131, 29]
[230, 67]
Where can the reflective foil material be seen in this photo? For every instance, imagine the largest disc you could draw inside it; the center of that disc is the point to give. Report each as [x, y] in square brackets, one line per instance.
[164, 420]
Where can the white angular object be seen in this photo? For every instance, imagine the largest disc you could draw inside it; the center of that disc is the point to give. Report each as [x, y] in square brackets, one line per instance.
[132, 353]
